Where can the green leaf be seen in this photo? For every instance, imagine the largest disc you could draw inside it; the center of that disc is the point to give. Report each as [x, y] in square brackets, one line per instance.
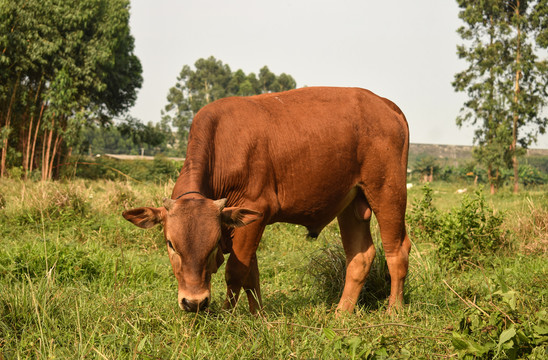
[541, 330]
[459, 342]
[465, 345]
[507, 335]
[142, 343]
[329, 334]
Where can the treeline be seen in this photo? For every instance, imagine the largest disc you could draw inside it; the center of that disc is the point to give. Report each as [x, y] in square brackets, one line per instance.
[208, 81]
[63, 64]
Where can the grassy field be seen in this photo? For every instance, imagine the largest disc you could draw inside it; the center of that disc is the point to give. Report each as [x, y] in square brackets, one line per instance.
[78, 281]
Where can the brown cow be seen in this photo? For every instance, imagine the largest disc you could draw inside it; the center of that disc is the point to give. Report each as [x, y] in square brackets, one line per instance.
[303, 156]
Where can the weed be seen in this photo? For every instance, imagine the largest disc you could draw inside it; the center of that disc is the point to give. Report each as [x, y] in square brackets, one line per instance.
[424, 218]
[501, 331]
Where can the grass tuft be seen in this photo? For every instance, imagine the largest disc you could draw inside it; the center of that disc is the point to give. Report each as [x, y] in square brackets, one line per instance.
[532, 229]
[328, 269]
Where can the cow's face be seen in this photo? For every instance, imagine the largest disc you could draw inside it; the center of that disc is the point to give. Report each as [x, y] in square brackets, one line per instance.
[192, 229]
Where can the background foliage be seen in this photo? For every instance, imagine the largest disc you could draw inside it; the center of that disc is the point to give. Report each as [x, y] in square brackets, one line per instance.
[62, 64]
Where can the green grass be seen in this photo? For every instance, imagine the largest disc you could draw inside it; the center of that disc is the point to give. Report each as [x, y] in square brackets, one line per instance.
[78, 281]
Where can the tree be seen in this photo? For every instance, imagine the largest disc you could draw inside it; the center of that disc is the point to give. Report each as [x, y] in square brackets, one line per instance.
[481, 81]
[426, 166]
[212, 80]
[63, 63]
[505, 81]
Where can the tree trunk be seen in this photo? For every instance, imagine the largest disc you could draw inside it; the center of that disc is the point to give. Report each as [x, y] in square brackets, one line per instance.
[491, 179]
[31, 162]
[53, 154]
[206, 87]
[516, 100]
[7, 126]
[46, 150]
[26, 150]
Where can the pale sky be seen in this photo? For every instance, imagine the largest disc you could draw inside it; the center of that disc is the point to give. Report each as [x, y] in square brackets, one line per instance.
[404, 50]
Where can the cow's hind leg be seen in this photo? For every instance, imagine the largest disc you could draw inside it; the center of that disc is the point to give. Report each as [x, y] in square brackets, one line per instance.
[389, 205]
[242, 269]
[354, 223]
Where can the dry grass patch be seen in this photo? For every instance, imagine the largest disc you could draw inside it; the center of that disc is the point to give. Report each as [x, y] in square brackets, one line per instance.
[532, 229]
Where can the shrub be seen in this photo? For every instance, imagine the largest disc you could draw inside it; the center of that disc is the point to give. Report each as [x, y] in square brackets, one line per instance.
[468, 232]
[530, 175]
[424, 217]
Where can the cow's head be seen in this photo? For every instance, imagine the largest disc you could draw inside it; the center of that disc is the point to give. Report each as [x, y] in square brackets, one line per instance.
[192, 229]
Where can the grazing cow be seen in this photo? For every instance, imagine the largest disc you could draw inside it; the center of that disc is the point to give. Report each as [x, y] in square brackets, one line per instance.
[303, 156]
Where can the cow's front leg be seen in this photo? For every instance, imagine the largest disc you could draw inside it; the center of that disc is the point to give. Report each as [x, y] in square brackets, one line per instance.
[242, 269]
[252, 287]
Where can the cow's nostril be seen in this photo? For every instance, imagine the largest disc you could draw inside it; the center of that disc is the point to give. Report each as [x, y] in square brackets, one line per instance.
[193, 306]
[204, 303]
[186, 304]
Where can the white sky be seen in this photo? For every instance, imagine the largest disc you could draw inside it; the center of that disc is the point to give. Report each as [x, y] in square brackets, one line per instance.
[404, 50]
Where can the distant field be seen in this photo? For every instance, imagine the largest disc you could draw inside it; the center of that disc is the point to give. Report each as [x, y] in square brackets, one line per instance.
[77, 281]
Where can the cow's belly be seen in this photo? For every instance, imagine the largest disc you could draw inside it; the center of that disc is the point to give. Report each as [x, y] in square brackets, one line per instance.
[316, 210]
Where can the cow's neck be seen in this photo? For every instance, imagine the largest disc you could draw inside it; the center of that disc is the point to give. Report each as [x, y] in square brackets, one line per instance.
[193, 178]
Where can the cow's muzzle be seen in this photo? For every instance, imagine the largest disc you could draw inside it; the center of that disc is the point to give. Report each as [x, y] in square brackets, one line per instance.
[194, 305]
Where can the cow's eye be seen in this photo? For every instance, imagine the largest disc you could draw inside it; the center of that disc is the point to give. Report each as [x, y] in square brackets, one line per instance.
[170, 245]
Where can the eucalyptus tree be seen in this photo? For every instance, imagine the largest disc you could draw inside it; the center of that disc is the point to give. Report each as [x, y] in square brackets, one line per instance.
[64, 62]
[485, 54]
[505, 80]
[211, 80]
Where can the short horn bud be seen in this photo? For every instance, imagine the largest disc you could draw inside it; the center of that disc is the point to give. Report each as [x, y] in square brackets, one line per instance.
[221, 203]
[168, 203]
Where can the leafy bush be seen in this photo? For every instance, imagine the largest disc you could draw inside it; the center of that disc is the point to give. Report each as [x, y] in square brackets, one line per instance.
[538, 161]
[424, 218]
[470, 231]
[357, 347]
[530, 175]
[467, 232]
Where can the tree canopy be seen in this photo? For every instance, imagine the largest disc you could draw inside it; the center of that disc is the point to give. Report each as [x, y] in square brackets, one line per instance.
[211, 80]
[63, 63]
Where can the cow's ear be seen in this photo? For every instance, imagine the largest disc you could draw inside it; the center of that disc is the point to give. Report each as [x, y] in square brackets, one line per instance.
[236, 217]
[145, 217]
